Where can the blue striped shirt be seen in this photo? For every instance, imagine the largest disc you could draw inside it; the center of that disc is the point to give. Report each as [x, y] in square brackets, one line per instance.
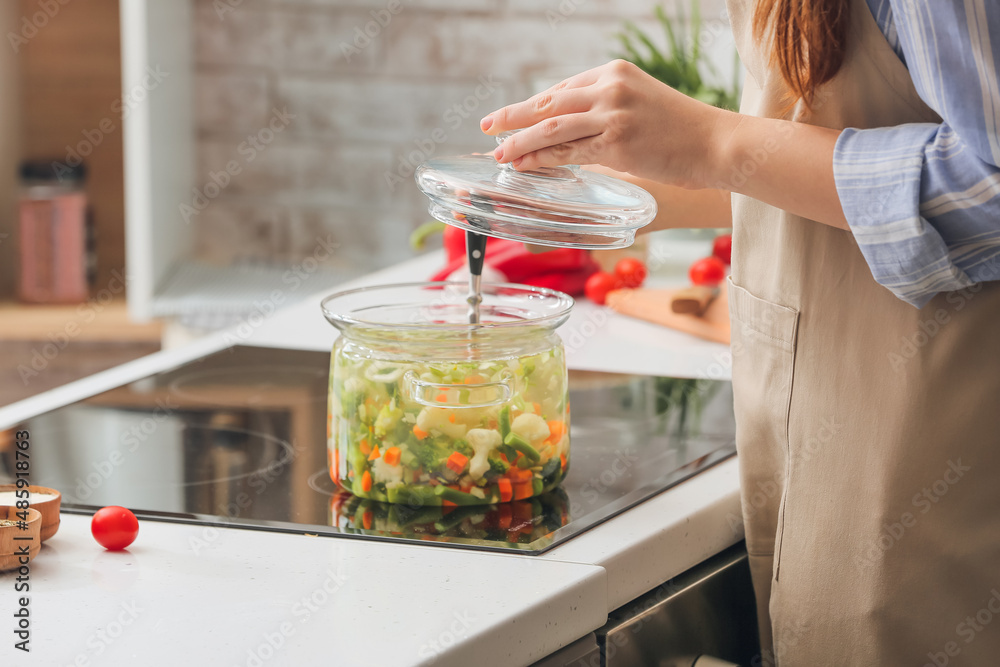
[923, 199]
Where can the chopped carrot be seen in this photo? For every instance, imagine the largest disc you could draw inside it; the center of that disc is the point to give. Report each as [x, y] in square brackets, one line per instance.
[366, 482]
[562, 457]
[556, 430]
[366, 519]
[451, 417]
[506, 490]
[448, 506]
[474, 379]
[419, 432]
[392, 455]
[519, 475]
[366, 449]
[504, 457]
[442, 398]
[523, 490]
[457, 461]
[375, 454]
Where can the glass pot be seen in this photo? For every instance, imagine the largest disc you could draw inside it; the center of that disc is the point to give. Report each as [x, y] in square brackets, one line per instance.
[427, 409]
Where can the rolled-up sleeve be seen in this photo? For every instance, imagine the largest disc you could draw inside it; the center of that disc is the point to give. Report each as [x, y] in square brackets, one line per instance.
[923, 200]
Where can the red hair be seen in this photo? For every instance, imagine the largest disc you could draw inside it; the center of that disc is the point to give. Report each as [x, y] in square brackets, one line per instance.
[809, 37]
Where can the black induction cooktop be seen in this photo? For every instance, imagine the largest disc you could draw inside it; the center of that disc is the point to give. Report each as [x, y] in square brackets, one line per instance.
[238, 438]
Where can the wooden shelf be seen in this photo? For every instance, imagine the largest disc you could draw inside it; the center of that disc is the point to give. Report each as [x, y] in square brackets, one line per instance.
[89, 322]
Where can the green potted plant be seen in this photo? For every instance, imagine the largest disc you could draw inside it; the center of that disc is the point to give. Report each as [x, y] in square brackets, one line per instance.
[683, 66]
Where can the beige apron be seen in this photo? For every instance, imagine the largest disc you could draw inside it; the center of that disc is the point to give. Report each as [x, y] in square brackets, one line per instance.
[867, 429]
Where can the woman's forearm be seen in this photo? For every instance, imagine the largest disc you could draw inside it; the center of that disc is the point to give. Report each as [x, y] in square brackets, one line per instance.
[680, 207]
[620, 117]
[785, 164]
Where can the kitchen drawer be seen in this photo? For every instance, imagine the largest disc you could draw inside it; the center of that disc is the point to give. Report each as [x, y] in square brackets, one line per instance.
[584, 652]
[707, 611]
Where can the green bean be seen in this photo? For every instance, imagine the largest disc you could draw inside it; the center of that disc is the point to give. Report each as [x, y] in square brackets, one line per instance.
[505, 421]
[523, 446]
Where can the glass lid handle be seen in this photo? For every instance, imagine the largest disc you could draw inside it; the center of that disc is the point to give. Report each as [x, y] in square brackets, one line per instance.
[566, 172]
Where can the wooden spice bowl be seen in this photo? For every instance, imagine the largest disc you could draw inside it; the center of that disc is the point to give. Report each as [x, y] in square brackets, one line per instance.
[49, 507]
[11, 536]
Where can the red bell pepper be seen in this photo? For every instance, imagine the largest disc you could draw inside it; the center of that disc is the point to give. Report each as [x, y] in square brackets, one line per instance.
[570, 282]
[521, 265]
[454, 243]
[453, 239]
[564, 269]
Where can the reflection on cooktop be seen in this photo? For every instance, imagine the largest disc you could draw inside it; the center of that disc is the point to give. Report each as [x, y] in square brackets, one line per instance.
[238, 438]
[258, 384]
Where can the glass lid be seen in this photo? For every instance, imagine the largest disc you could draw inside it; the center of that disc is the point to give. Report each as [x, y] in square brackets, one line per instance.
[556, 206]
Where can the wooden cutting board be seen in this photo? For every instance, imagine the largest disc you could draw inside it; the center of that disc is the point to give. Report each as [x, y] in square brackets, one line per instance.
[653, 305]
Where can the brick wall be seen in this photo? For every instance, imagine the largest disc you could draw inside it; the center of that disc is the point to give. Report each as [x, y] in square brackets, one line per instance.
[367, 105]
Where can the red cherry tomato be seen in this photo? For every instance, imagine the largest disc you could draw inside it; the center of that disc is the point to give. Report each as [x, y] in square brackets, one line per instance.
[707, 271]
[114, 527]
[631, 271]
[599, 284]
[722, 247]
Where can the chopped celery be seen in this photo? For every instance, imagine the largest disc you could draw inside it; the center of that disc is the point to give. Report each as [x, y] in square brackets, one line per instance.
[410, 460]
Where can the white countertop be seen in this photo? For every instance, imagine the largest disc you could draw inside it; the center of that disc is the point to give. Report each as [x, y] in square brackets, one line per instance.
[224, 596]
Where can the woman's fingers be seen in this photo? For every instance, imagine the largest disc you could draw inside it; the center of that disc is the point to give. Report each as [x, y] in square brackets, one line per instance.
[577, 80]
[537, 108]
[589, 150]
[550, 132]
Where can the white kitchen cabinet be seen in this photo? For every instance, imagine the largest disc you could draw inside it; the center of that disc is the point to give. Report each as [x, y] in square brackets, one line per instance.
[158, 145]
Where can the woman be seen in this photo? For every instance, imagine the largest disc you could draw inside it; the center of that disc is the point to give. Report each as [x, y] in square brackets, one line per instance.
[866, 345]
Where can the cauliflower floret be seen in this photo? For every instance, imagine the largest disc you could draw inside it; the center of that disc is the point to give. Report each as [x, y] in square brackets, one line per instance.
[482, 441]
[438, 418]
[387, 474]
[476, 416]
[530, 427]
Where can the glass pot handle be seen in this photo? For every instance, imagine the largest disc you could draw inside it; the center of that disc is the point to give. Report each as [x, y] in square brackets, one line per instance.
[428, 393]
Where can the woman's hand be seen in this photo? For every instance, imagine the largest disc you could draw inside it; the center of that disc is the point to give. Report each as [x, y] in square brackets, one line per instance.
[617, 116]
